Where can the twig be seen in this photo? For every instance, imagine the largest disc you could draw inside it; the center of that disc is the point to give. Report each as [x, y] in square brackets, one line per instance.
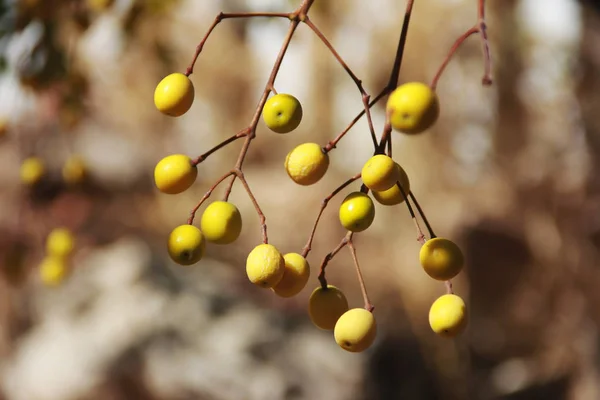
[224, 143]
[307, 248]
[329, 256]
[261, 215]
[453, 50]
[190, 220]
[420, 235]
[422, 214]
[368, 305]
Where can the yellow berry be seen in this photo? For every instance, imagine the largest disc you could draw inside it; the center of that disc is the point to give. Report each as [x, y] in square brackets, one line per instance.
[448, 315]
[356, 330]
[32, 170]
[295, 275]
[186, 245]
[306, 164]
[175, 174]
[326, 306]
[380, 173]
[441, 258]
[265, 266]
[282, 113]
[393, 195]
[60, 242]
[221, 222]
[412, 108]
[357, 212]
[74, 170]
[53, 270]
[174, 95]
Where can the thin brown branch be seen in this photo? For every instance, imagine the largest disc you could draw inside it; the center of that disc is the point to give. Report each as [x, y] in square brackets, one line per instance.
[368, 305]
[190, 220]
[220, 17]
[393, 82]
[329, 256]
[449, 289]
[420, 235]
[224, 143]
[422, 214]
[453, 50]
[364, 95]
[261, 215]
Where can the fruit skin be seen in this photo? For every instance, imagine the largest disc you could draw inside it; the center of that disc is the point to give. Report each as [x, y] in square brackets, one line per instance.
[412, 108]
[186, 245]
[74, 170]
[326, 306]
[306, 164]
[356, 330]
[448, 315]
[32, 170]
[60, 243]
[441, 258]
[380, 173]
[175, 174]
[221, 222]
[282, 113]
[393, 195]
[357, 212]
[53, 270]
[265, 266]
[295, 276]
[174, 94]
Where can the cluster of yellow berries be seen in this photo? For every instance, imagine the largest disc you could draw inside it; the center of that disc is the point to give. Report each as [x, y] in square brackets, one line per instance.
[33, 170]
[55, 267]
[412, 108]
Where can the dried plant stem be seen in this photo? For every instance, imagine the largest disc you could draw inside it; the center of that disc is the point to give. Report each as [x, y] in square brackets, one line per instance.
[364, 95]
[449, 289]
[261, 215]
[190, 220]
[224, 143]
[307, 248]
[329, 256]
[479, 27]
[422, 214]
[420, 235]
[368, 305]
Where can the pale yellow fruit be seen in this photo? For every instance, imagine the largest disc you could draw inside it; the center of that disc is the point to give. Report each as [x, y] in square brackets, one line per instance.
[295, 276]
[60, 242]
[355, 330]
[393, 195]
[53, 270]
[380, 173]
[448, 315]
[265, 266]
[326, 306]
[306, 164]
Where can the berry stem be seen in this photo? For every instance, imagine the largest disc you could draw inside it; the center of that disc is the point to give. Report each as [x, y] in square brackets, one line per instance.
[261, 216]
[422, 214]
[307, 248]
[449, 289]
[224, 143]
[365, 96]
[220, 17]
[420, 235]
[190, 220]
[329, 256]
[479, 27]
[368, 305]
[395, 74]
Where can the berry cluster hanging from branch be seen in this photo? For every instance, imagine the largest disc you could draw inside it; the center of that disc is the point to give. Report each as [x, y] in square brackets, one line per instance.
[411, 108]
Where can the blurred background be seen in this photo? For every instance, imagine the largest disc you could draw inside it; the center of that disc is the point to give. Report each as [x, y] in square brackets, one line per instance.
[509, 172]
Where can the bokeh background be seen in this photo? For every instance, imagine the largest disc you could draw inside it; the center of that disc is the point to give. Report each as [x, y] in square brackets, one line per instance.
[509, 172]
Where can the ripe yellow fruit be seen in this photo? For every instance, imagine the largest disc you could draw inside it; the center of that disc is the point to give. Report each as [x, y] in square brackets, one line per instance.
[60, 243]
[174, 95]
[393, 195]
[357, 212]
[306, 164]
[265, 266]
[175, 174]
[356, 330]
[186, 245]
[380, 173]
[412, 108]
[221, 222]
[282, 113]
[441, 258]
[74, 170]
[448, 315]
[295, 276]
[326, 306]
[53, 270]
[32, 171]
